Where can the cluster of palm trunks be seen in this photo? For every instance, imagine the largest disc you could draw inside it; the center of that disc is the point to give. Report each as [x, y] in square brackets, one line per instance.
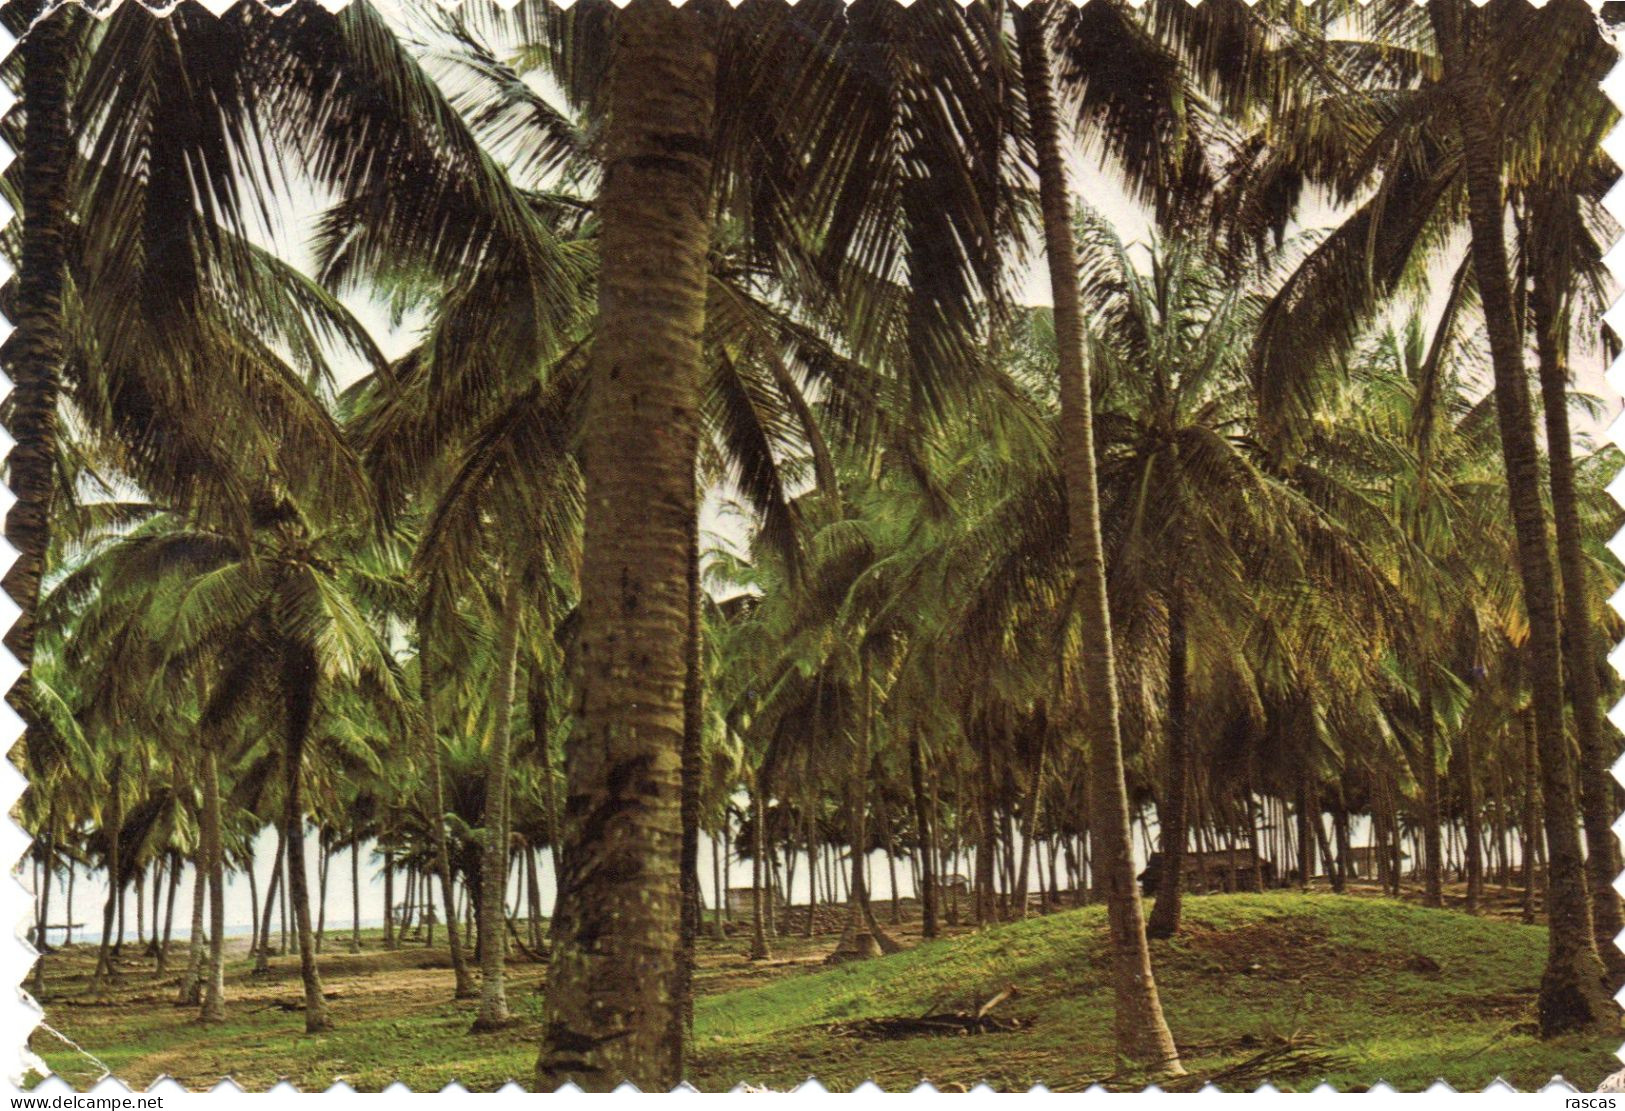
[1272, 525]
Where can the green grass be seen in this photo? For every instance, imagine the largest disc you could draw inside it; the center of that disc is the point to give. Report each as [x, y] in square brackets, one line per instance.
[1338, 976]
[1363, 989]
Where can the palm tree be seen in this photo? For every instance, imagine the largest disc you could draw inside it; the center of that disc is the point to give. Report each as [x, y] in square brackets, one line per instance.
[767, 137]
[1430, 127]
[1573, 991]
[37, 348]
[604, 1013]
[1168, 347]
[1559, 251]
[1141, 1031]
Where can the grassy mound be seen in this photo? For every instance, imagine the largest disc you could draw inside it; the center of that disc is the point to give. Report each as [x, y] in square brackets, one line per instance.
[1297, 988]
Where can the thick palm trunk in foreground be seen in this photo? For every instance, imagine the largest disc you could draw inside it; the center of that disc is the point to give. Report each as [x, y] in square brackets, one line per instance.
[610, 1000]
[494, 853]
[1573, 994]
[1551, 346]
[34, 355]
[35, 350]
[693, 745]
[1141, 1033]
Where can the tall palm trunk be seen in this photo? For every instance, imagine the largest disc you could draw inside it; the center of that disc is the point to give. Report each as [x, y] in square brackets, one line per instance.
[191, 990]
[1340, 835]
[1548, 302]
[811, 822]
[1473, 840]
[282, 899]
[273, 889]
[1308, 827]
[214, 989]
[113, 827]
[355, 894]
[858, 940]
[758, 873]
[160, 864]
[299, 681]
[618, 927]
[464, 978]
[118, 930]
[493, 1014]
[324, 863]
[139, 882]
[389, 900]
[1428, 756]
[693, 726]
[924, 835]
[35, 351]
[1170, 884]
[38, 988]
[1529, 826]
[169, 912]
[986, 850]
[540, 718]
[533, 885]
[1029, 828]
[1256, 881]
[719, 912]
[1141, 1033]
[1573, 993]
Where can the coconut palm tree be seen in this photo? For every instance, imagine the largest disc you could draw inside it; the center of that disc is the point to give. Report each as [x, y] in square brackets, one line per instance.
[1169, 346]
[1573, 993]
[1142, 1033]
[1562, 256]
[1443, 142]
[37, 348]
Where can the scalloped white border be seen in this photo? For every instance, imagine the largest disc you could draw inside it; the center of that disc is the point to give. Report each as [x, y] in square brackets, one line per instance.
[20, 1014]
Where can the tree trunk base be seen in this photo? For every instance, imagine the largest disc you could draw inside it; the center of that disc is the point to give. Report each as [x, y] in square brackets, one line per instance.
[1574, 996]
[855, 945]
[1158, 930]
[486, 1025]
